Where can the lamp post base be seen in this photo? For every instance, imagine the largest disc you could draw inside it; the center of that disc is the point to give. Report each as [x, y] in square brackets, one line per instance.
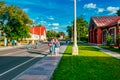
[75, 50]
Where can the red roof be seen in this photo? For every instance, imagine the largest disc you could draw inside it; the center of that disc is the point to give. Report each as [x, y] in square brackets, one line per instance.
[102, 21]
[39, 30]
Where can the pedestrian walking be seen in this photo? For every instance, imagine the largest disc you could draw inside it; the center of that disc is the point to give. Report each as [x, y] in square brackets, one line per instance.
[29, 45]
[51, 44]
[13, 42]
[57, 46]
[36, 44]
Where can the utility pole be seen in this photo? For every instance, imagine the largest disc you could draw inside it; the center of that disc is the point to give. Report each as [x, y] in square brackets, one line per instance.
[75, 47]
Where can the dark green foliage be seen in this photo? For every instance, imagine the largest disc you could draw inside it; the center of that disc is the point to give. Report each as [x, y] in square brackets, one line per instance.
[51, 34]
[82, 29]
[118, 12]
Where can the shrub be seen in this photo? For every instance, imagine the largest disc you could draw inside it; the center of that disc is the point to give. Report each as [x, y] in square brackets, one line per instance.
[109, 40]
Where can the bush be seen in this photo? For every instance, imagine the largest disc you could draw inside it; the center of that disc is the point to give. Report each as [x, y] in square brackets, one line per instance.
[109, 40]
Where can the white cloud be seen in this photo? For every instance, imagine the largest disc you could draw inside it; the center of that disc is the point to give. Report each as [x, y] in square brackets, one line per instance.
[100, 10]
[37, 17]
[49, 24]
[90, 5]
[112, 10]
[43, 22]
[55, 24]
[56, 28]
[77, 0]
[50, 18]
[25, 9]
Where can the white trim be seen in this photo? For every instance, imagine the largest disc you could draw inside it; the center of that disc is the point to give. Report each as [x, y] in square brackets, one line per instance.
[114, 32]
[102, 34]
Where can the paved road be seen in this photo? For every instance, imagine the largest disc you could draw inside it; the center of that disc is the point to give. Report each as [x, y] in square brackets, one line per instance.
[16, 60]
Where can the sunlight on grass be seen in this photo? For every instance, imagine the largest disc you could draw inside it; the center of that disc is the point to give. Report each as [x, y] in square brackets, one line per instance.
[90, 64]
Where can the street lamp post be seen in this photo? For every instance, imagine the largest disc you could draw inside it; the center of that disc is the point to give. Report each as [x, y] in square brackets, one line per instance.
[75, 47]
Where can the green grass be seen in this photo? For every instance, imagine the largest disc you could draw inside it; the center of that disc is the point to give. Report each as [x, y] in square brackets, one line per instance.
[112, 49]
[90, 64]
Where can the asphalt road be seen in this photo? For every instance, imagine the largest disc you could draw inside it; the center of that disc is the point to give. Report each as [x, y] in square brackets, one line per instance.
[17, 60]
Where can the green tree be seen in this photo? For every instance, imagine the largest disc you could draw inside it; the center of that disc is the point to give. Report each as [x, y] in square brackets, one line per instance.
[70, 31]
[3, 13]
[15, 22]
[51, 34]
[118, 12]
[61, 33]
[82, 29]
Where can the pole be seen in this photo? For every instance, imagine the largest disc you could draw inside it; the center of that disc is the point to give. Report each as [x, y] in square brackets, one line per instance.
[75, 47]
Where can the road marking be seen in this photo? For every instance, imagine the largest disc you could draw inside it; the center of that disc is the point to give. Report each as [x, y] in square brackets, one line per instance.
[17, 66]
[24, 71]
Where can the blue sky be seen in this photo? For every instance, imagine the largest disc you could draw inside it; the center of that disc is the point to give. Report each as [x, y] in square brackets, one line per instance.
[58, 14]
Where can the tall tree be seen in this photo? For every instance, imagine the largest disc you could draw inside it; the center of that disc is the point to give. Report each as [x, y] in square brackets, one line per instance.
[15, 22]
[82, 29]
[70, 31]
[3, 12]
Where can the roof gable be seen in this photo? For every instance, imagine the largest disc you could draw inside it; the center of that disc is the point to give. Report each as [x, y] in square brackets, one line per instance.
[39, 30]
[103, 21]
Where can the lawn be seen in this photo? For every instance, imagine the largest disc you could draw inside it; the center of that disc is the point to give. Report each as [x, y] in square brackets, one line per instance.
[111, 48]
[90, 64]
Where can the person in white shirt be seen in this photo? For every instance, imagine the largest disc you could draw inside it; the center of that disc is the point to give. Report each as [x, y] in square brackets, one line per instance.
[57, 46]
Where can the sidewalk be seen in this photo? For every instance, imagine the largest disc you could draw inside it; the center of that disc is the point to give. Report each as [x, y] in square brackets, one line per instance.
[111, 53]
[43, 69]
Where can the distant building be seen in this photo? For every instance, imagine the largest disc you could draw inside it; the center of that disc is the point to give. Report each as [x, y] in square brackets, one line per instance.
[102, 26]
[38, 33]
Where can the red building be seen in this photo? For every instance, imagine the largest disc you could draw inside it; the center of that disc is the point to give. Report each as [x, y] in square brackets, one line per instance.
[102, 26]
[38, 33]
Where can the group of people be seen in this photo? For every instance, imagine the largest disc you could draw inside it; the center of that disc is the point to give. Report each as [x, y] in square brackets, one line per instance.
[54, 45]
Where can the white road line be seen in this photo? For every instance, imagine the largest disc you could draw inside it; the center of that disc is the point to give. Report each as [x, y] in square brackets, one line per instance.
[23, 72]
[17, 66]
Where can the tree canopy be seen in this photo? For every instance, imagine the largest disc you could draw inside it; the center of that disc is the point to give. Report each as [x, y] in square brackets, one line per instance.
[82, 29]
[51, 34]
[14, 21]
[118, 12]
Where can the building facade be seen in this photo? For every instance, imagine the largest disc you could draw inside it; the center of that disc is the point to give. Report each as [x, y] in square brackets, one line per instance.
[102, 26]
[38, 33]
